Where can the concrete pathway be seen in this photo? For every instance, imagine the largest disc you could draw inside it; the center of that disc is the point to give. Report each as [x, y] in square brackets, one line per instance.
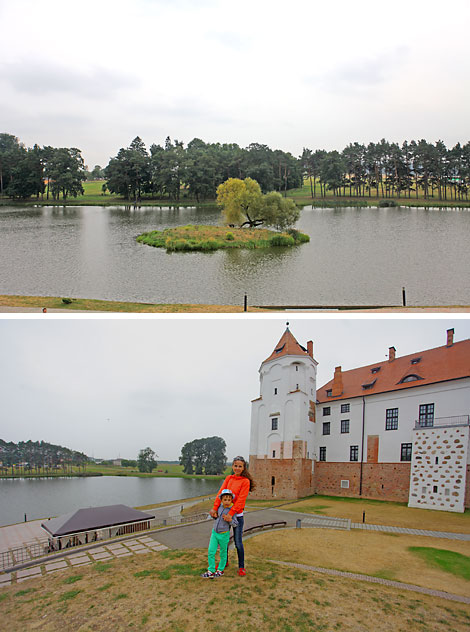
[103, 553]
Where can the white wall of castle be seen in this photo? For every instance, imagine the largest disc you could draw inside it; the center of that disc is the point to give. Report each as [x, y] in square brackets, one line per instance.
[287, 385]
[450, 399]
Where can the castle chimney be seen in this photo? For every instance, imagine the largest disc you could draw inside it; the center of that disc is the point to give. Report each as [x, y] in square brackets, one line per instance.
[450, 337]
[391, 354]
[337, 389]
[310, 348]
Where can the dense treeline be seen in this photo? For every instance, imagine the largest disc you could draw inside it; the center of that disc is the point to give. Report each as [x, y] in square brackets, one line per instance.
[387, 170]
[201, 167]
[39, 171]
[38, 457]
[379, 170]
[204, 456]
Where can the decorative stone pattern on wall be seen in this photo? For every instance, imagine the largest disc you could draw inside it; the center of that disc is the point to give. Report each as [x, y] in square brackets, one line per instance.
[380, 481]
[439, 477]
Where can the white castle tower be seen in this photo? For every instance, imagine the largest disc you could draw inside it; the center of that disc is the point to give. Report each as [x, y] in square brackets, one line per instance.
[282, 442]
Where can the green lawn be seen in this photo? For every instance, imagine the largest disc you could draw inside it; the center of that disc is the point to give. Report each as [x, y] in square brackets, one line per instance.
[448, 561]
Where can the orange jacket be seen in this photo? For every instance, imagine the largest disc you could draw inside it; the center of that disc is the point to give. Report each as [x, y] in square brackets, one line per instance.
[240, 486]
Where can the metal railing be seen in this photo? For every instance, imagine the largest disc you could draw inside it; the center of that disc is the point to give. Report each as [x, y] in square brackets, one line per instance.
[440, 422]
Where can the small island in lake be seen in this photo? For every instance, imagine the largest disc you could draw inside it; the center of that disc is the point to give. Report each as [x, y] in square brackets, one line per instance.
[208, 238]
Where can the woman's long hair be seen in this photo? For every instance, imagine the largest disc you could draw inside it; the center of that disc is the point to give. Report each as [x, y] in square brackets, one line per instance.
[245, 471]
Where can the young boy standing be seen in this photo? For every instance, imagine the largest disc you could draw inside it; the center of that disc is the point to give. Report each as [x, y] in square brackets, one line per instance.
[220, 535]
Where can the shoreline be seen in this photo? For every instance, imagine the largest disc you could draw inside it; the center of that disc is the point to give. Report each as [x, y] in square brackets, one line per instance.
[17, 304]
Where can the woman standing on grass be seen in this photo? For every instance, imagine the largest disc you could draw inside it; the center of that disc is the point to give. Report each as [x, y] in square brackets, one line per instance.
[240, 483]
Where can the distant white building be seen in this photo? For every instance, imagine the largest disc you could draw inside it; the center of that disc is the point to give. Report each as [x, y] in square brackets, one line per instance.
[394, 430]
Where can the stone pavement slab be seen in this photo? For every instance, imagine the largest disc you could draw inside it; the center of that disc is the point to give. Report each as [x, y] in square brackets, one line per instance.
[5, 579]
[54, 566]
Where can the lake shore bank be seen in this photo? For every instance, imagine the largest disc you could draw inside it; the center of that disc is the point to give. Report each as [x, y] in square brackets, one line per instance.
[35, 305]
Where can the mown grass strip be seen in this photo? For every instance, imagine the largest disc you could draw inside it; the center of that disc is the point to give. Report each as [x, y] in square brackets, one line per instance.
[448, 561]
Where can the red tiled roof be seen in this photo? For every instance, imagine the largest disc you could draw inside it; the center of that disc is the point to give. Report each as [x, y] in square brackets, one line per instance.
[434, 365]
[287, 345]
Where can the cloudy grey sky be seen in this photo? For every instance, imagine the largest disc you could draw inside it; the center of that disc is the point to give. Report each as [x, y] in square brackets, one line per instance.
[111, 386]
[94, 74]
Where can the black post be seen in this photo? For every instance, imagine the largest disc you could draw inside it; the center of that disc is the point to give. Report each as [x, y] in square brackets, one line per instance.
[363, 517]
[245, 303]
[25, 518]
[403, 293]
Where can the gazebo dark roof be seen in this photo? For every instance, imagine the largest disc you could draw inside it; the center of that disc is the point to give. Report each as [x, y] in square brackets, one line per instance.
[93, 518]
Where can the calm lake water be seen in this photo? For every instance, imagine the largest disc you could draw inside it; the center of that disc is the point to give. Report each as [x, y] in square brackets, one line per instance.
[43, 498]
[356, 256]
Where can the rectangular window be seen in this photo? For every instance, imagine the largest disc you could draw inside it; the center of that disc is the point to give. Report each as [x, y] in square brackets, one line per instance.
[344, 484]
[426, 415]
[344, 408]
[391, 419]
[326, 411]
[405, 452]
[329, 392]
[274, 454]
[354, 453]
[326, 428]
[323, 453]
[274, 423]
[434, 489]
[344, 426]
[275, 390]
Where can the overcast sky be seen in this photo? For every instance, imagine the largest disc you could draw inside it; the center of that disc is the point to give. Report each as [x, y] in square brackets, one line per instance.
[110, 387]
[96, 73]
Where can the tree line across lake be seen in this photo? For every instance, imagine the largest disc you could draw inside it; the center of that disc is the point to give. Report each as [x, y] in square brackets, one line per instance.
[200, 456]
[39, 457]
[170, 171]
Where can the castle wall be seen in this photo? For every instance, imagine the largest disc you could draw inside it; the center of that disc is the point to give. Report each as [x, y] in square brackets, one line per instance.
[380, 481]
[282, 478]
[439, 468]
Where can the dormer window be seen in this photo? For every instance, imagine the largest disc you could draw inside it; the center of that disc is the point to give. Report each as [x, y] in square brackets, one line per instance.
[410, 378]
[415, 360]
[369, 384]
[329, 392]
[376, 369]
[279, 349]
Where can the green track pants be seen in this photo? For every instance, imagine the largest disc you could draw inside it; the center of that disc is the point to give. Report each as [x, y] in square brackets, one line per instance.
[218, 539]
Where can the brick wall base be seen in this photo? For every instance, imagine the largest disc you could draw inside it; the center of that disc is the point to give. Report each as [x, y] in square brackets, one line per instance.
[380, 481]
[292, 478]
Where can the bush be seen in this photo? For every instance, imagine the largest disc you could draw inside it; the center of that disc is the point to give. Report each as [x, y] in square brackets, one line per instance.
[385, 203]
[67, 301]
[282, 240]
[229, 237]
[299, 238]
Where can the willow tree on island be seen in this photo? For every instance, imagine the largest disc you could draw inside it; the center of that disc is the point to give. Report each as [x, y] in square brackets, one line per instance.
[243, 203]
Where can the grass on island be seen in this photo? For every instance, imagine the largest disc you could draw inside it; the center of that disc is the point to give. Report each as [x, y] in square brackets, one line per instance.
[209, 238]
[164, 591]
[383, 513]
[85, 304]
